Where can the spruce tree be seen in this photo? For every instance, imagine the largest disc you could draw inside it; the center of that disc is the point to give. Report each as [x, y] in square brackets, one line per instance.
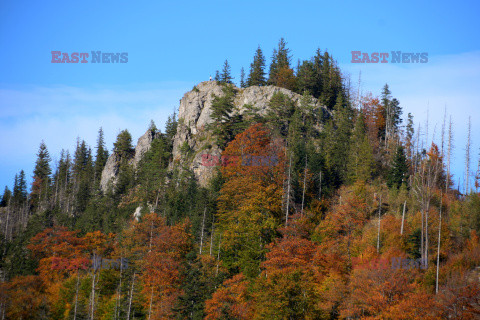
[360, 157]
[7, 195]
[257, 70]
[280, 66]
[398, 174]
[242, 78]
[171, 130]
[101, 157]
[226, 75]
[41, 176]
[123, 146]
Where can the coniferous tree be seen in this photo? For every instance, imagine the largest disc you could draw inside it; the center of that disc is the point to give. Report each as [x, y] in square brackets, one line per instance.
[7, 195]
[83, 170]
[360, 158]
[226, 123]
[281, 73]
[101, 157]
[242, 78]
[171, 130]
[217, 75]
[152, 127]
[257, 70]
[123, 146]
[41, 176]
[398, 174]
[226, 75]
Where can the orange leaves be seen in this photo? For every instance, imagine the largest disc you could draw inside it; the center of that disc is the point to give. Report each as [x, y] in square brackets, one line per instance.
[24, 297]
[230, 301]
[164, 248]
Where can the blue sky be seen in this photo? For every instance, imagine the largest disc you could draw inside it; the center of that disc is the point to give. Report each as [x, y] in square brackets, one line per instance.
[174, 45]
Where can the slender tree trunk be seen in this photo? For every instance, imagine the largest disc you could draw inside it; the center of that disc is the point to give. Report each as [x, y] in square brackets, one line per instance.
[92, 309]
[76, 298]
[203, 228]
[320, 187]
[378, 233]
[304, 183]
[438, 247]
[150, 306]
[131, 297]
[403, 216]
[218, 254]
[467, 159]
[211, 234]
[288, 191]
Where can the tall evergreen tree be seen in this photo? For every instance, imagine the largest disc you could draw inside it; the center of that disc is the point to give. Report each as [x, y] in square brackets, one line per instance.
[398, 174]
[83, 170]
[7, 195]
[257, 70]
[101, 157]
[242, 78]
[226, 75]
[123, 146]
[41, 176]
[171, 130]
[360, 157]
[280, 72]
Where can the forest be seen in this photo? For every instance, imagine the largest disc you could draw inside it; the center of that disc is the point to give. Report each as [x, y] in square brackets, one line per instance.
[357, 218]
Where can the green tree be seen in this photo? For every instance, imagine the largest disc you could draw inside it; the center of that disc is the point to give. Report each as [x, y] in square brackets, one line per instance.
[242, 78]
[280, 112]
[123, 146]
[280, 60]
[398, 174]
[20, 189]
[41, 176]
[257, 70]
[360, 158]
[82, 172]
[226, 75]
[7, 195]
[101, 157]
[226, 122]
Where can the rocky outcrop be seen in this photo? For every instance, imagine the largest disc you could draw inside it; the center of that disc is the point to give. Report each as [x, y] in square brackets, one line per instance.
[192, 138]
[195, 114]
[110, 171]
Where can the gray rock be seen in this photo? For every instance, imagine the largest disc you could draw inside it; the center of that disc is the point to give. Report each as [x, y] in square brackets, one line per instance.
[195, 114]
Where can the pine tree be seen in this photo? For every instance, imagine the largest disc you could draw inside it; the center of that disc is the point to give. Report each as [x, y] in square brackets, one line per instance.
[226, 75]
[101, 157]
[257, 70]
[41, 176]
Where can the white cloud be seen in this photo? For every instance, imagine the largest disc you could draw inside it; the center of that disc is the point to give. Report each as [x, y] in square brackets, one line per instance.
[60, 114]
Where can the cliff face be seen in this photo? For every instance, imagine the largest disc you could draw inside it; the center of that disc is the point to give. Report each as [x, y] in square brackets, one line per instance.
[194, 116]
[192, 138]
[110, 171]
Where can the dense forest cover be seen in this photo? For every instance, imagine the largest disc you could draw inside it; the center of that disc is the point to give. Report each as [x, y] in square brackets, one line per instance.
[357, 218]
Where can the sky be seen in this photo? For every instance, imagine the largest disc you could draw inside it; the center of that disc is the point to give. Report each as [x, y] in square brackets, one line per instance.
[174, 45]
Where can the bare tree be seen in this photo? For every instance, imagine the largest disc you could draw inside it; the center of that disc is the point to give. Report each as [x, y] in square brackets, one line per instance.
[467, 159]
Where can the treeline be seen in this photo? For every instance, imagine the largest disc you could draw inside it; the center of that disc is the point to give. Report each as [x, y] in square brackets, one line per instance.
[319, 76]
[306, 238]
